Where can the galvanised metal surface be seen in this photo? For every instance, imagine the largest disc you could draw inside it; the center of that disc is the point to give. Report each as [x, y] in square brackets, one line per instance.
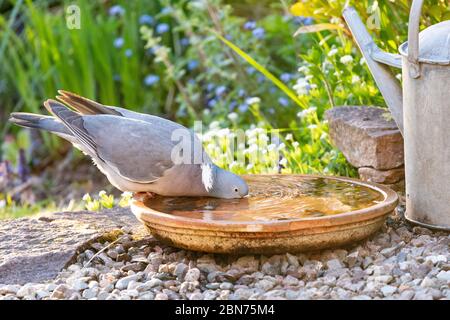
[422, 110]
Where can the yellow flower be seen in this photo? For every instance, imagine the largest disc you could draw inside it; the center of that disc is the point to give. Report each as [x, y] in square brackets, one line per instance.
[301, 9]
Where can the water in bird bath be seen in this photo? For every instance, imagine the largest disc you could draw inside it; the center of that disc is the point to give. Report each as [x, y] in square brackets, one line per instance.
[281, 197]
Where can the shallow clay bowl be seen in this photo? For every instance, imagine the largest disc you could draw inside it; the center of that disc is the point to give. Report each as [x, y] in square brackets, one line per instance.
[305, 215]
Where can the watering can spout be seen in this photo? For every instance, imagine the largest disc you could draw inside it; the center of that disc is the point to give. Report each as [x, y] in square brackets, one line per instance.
[378, 62]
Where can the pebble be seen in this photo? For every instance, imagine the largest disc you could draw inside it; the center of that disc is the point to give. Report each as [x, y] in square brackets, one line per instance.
[192, 275]
[388, 290]
[395, 264]
[122, 283]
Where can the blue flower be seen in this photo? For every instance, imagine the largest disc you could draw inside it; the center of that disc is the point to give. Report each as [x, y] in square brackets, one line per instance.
[228, 37]
[146, 19]
[250, 70]
[118, 42]
[259, 33]
[191, 82]
[272, 89]
[220, 90]
[212, 103]
[241, 93]
[261, 78]
[192, 64]
[166, 10]
[210, 87]
[184, 42]
[285, 77]
[116, 11]
[243, 107]
[250, 25]
[303, 21]
[271, 110]
[128, 53]
[151, 79]
[162, 28]
[117, 77]
[232, 105]
[283, 101]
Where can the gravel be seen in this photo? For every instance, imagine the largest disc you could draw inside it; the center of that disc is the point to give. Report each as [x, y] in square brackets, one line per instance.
[400, 262]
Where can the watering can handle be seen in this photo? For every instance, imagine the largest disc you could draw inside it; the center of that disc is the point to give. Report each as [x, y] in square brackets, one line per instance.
[413, 38]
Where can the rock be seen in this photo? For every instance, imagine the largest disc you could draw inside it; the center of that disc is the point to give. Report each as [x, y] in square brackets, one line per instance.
[9, 288]
[79, 284]
[196, 296]
[226, 286]
[444, 276]
[207, 264]
[90, 293]
[366, 137]
[62, 292]
[272, 266]
[388, 291]
[161, 296]
[192, 275]
[36, 249]
[264, 285]
[290, 281]
[406, 295]
[248, 264]
[122, 283]
[180, 271]
[26, 290]
[390, 176]
[334, 264]
[436, 259]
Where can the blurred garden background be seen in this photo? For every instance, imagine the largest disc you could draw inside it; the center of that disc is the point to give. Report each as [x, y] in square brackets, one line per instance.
[230, 63]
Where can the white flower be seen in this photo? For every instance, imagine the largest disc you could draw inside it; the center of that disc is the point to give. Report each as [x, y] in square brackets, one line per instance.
[250, 166]
[295, 144]
[102, 193]
[323, 136]
[206, 112]
[306, 112]
[362, 61]
[281, 146]
[233, 116]
[355, 79]
[347, 59]
[253, 100]
[86, 197]
[271, 147]
[332, 52]
[233, 164]
[214, 125]
[303, 69]
[399, 76]
[312, 126]
[222, 133]
[302, 86]
[289, 136]
[283, 162]
[127, 194]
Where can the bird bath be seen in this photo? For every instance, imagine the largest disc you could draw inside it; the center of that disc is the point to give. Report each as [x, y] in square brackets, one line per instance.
[283, 213]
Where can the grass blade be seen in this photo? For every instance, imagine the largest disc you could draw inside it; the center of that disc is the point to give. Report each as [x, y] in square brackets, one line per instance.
[291, 94]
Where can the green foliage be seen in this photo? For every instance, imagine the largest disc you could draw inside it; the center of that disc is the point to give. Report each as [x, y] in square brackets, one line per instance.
[105, 201]
[204, 60]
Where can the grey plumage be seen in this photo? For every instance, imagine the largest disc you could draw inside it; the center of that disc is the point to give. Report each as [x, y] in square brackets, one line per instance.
[134, 150]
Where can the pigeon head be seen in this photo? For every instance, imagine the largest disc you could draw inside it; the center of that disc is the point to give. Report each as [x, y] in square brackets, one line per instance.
[223, 184]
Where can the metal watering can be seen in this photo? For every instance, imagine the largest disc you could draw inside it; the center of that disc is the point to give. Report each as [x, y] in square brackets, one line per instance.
[422, 111]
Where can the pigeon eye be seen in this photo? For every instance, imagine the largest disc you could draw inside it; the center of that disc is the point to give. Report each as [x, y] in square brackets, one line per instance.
[235, 189]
